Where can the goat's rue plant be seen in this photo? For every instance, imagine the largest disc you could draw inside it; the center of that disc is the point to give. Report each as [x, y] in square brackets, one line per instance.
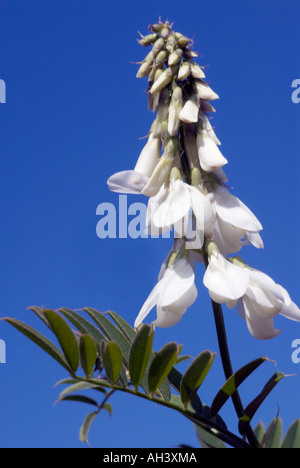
[181, 170]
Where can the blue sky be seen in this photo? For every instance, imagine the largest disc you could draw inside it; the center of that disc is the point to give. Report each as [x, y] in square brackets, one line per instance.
[74, 115]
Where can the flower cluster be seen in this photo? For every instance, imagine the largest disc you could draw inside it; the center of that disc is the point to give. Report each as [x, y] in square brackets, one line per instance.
[180, 169]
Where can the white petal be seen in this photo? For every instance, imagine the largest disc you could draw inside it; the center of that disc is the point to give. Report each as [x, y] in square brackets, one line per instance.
[150, 302]
[205, 92]
[127, 182]
[179, 282]
[189, 112]
[233, 211]
[225, 279]
[267, 306]
[227, 237]
[210, 157]
[149, 157]
[255, 239]
[166, 318]
[267, 283]
[159, 176]
[260, 328]
[291, 312]
[174, 207]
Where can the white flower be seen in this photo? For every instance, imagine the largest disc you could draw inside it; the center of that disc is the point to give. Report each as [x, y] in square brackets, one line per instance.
[225, 281]
[210, 157]
[262, 301]
[234, 224]
[141, 183]
[172, 295]
[205, 92]
[172, 205]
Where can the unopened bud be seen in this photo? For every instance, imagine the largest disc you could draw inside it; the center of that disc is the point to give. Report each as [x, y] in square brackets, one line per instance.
[211, 248]
[188, 53]
[162, 81]
[175, 174]
[183, 41]
[165, 32]
[174, 111]
[184, 71]
[157, 46]
[144, 70]
[147, 40]
[175, 57]
[161, 57]
[156, 28]
[196, 71]
[171, 43]
[196, 177]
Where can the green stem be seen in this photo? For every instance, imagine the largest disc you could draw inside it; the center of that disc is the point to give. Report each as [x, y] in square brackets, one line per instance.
[210, 426]
[226, 363]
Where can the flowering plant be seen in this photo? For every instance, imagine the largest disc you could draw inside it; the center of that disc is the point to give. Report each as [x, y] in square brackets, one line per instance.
[181, 170]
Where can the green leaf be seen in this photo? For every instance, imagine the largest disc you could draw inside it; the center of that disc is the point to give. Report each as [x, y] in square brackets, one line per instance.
[195, 375]
[161, 365]
[255, 404]
[292, 437]
[273, 435]
[85, 428]
[107, 407]
[39, 312]
[129, 333]
[125, 328]
[88, 354]
[65, 336]
[83, 325]
[186, 357]
[40, 340]
[233, 383]
[80, 399]
[175, 378]
[259, 432]
[140, 353]
[112, 359]
[208, 440]
[78, 387]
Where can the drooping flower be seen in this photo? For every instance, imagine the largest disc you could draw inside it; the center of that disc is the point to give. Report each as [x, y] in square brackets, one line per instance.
[225, 281]
[172, 295]
[210, 157]
[173, 205]
[235, 225]
[262, 301]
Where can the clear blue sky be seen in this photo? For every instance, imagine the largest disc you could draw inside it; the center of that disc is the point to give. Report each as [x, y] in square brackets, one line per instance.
[74, 116]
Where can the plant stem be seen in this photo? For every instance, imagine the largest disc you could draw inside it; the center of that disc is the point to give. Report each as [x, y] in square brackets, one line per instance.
[227, 367]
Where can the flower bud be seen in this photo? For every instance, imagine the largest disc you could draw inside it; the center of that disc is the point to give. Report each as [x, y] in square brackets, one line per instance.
[209, 154]
[188, 53]
[196, 71]
[183, 41]
[171, 44]
[156, 28]
[165, 32]
[204, 91]
[175, 57]
[157, 46]
[184, 71]
[161, 57]
[160, 174]
[174, 111]
[190, 111]
[162, 81]
[147, 40]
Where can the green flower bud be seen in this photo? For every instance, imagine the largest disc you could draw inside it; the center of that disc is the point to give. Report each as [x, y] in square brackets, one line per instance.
[165, 32]
[175, 174]
[236, 260]
[161, 57]
[175, 57]
[156, 28]
[188, 54]
[147, 40]
[144, 70]
[164, 79]
[211, 248]
[183, 41]
[157, 46]
[196, 71]
[171, 43]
